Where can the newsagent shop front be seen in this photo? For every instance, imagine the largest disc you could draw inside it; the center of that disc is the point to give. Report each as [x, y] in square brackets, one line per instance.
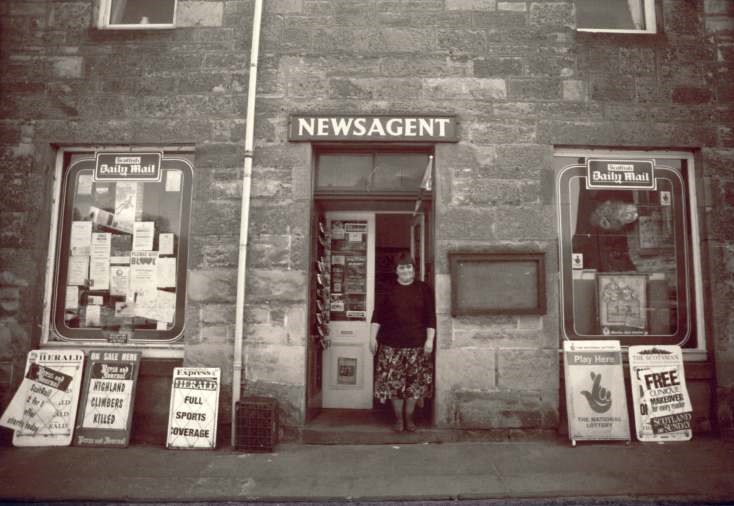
[596, 245]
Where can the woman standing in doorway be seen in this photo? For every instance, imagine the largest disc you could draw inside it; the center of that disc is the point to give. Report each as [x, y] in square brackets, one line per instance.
[404, 325]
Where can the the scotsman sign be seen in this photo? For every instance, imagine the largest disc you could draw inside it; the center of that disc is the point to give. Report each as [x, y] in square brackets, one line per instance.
[324, 127]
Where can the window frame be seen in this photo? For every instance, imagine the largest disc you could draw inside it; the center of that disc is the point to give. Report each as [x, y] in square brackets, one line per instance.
[648, 7]
[104, 12]
[372, 150]
[691, 211]
[50, 337]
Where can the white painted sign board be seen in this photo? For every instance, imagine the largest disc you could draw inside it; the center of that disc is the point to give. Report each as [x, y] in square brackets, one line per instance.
[43, 410]
[596, 398]
[663, 410]
[194, 407]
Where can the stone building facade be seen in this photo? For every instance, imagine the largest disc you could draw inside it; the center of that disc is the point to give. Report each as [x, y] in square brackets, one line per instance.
[522, 84]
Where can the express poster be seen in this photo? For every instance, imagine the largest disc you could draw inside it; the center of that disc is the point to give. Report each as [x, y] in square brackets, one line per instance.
[105, 416]
[194, 408]
[43, 410]
[663, 410]
[596, 399]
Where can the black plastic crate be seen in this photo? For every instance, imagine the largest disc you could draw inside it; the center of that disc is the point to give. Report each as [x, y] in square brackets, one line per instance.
[257, 424]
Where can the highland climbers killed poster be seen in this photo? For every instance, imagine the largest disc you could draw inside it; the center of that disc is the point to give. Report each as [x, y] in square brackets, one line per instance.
[108, 396]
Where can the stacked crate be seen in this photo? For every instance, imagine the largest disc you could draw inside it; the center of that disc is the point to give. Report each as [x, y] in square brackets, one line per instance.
[257, 424]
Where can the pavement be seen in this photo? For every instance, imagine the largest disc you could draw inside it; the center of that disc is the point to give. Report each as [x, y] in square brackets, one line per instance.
[697, 472]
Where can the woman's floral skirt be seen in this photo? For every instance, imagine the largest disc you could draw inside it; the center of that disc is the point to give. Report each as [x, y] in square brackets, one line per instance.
[403, 373]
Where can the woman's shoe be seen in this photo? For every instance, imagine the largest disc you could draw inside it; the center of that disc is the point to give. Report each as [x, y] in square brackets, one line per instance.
[398, 426]
[410, 425]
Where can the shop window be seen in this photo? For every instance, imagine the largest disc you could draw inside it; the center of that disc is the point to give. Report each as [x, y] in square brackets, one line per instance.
[627, 249]
[621, 16]
[121, 248]
[372, 172]
[136, 14]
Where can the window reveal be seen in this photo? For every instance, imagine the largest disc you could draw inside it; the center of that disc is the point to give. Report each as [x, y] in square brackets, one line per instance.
[121, 257]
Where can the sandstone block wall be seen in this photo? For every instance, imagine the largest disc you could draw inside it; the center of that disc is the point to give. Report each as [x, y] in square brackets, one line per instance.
[518, 77]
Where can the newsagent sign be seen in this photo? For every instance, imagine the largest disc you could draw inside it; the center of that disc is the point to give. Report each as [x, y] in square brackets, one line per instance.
[620, 174]
[194, 408]
[107, 398]
[128, 166]
[438, 128]
[663, 410]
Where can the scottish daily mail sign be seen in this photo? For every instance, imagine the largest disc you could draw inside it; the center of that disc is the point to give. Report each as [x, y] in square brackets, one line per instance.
[620, 174]
[423, 128]
[128, 166]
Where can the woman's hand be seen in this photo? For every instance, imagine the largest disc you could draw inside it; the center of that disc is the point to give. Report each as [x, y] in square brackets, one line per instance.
[430, 338]
[428, 347]
[374, 330]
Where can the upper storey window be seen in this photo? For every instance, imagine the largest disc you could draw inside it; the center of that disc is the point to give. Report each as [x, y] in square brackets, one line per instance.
[136, 14]
[615, 16]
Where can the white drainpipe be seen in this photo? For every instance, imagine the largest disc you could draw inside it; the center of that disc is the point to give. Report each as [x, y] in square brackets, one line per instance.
[245, 216]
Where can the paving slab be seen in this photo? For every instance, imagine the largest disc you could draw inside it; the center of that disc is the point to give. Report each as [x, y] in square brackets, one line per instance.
[701, 470]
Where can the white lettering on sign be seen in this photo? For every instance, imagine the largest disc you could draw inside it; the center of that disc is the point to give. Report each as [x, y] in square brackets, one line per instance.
[193, 409]
[372, 127]
[621, 167]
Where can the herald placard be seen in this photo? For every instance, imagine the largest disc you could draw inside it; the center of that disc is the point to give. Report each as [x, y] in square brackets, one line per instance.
[43, 410]
[596, 399]
[108, 396]
[194, 408]
[663, 410]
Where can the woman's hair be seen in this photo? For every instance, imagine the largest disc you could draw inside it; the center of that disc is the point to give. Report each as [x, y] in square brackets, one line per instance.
[404, 258]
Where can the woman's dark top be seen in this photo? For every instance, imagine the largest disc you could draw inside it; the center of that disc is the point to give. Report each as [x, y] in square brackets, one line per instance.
[404, 313]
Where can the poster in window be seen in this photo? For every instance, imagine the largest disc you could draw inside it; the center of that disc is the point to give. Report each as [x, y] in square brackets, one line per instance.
[128, 198]
[655, 232]
[165, 244]
[84, 184]
[81, 238]
[101, 244]
[78, 270]
[99, 273]
[119, 280]
[144, 233]
[622, 303]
